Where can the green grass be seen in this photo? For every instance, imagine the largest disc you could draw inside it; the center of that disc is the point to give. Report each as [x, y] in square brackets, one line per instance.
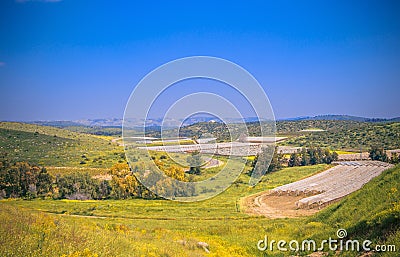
[154, 227]
[180, 159]
[370, 212]
[169, 159]
[69, 170]
[50, 146]
[344, 152]
[180, 142]
[313, 129]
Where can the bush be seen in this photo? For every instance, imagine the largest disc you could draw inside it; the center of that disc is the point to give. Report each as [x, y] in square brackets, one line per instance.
[21, 179]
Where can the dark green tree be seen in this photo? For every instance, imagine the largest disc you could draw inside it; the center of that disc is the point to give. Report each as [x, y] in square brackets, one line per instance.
[262, 164]
[305, 157]
[21, 179]
[195, 162]
[394, 158]
[77, 186]
[378, 154]
[294, 160]
[44, 183]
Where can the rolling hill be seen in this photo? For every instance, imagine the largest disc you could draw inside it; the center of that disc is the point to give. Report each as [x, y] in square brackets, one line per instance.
[50, 146]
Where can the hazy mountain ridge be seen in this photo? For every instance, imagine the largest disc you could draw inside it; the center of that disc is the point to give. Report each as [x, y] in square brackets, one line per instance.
[156, 122]
[342, 117]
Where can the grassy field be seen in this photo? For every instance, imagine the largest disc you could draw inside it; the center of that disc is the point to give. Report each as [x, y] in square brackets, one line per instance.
[69, 170]
[49, 146]
[164, 228]
[145, 227]
[178, 142]
[139, 227]
[345, 152]
[159, 228]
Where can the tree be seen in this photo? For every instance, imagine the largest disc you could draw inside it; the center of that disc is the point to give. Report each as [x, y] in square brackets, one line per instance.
[175, 172]
[305, 158]
[329, 157]
[312, 156]
[261, 163]
[77, 186]
[315, 155]
[394, 158]
[21, 179]
[104, 189]
[195, 162]
[378, 154]
[335, 156]
[119, 183]
[44, 184]
[124, 184]
[294, 160]
[276, 161]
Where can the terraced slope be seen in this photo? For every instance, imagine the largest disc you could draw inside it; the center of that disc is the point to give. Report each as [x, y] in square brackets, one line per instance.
[333, 184]
[306, 196]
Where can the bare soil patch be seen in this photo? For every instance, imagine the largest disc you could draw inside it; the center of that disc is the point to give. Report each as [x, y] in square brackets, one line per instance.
[274, 206]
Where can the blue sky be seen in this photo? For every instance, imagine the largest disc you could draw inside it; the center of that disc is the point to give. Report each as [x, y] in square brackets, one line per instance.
[66, 60]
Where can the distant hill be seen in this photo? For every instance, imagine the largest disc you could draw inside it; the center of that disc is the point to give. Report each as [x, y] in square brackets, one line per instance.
[344, 117]
[156, 122]
[151, 122]
[55, 123]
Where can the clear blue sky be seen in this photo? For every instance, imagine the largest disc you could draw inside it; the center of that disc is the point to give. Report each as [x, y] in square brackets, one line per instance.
[74, 59]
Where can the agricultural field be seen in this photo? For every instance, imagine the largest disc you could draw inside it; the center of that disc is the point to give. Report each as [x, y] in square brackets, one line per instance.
[306, 196]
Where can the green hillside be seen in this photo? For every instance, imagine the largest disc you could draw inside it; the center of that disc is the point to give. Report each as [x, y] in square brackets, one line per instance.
[372, 212]
[350, 135]
[51, 146]
[337, 134]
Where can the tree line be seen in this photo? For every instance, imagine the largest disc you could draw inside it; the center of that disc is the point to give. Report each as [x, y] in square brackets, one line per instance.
[379, 154]
[312, 156]
[23, 180]
[307, 156]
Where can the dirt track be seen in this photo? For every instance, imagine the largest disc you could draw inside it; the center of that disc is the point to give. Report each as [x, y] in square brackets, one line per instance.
[273, 206]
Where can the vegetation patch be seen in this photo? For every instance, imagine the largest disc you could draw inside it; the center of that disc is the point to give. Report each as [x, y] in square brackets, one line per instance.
[48, 146]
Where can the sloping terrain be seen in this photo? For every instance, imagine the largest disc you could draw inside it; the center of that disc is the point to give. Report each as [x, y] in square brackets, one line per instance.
[51, 146]
[305, 196]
